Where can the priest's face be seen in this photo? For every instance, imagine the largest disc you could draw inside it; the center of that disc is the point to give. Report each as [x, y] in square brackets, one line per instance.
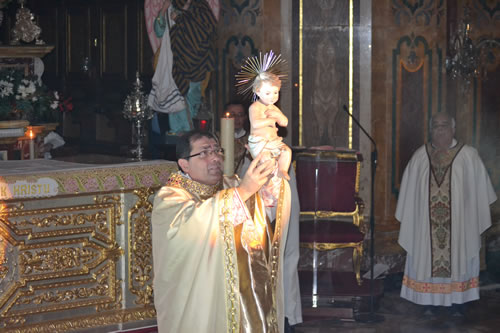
[205, 168]
[442, 132]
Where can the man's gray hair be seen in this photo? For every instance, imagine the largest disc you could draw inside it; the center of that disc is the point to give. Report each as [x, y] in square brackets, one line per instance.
[453, 123]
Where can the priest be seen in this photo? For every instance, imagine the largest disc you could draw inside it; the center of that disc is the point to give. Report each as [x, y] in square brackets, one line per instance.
[217, 258]
[443, 207]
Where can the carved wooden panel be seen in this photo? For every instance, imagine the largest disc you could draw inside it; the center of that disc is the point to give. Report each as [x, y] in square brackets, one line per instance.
[114, 36]
[144, 50]
[78, 37]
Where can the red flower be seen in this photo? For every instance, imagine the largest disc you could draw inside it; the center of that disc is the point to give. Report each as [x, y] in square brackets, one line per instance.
[65, 105]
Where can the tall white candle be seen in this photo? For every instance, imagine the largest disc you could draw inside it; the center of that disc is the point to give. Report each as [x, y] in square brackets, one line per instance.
[227, 143]
[32, 145]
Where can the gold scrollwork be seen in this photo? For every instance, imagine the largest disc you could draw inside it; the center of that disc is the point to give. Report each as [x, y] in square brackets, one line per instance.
[115, 200]
[4, 265]
[98, 218]
[140, 245]
[40, 298]
[65, 273]
[107, 216]
[55, 259]
[6, 209]
[15, 321]
[78, 323]
[117, 304]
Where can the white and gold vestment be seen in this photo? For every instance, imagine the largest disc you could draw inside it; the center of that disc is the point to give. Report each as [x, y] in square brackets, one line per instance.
[217, 261]
[443, 207]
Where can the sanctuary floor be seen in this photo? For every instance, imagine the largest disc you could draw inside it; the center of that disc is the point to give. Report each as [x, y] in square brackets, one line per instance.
[403, 316]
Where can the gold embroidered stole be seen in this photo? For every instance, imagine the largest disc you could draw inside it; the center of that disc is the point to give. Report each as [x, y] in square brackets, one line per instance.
[258, 255]
[197, 189]
[440, 208]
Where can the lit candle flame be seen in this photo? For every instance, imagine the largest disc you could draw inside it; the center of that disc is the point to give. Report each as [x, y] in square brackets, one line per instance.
[228, 115]
[31, 134]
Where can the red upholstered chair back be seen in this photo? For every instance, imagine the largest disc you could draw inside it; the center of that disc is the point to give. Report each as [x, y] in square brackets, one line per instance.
[336, 186]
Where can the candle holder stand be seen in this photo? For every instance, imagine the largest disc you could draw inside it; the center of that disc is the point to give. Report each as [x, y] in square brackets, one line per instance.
[136, 109]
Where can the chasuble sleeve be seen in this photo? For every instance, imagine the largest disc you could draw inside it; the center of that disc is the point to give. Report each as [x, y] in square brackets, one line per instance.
[413, 197]
[189, 273]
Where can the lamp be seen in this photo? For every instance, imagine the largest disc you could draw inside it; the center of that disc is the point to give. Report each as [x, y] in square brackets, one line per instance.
[467, 59]
[136, 109]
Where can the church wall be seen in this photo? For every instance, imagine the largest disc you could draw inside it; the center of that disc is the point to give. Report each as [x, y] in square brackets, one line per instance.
[409, 84]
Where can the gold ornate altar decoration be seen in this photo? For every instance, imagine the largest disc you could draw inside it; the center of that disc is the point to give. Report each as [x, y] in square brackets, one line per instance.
[80, 258]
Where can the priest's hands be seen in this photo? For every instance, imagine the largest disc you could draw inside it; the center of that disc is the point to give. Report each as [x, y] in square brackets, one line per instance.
[256, 176]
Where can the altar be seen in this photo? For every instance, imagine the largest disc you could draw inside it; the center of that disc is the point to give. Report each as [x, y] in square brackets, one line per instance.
[75, 245]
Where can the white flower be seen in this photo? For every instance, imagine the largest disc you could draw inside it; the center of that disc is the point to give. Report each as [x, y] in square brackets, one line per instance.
[54, 105]
[31, 88]
[22, 91]
[56, 95]
[6, 88]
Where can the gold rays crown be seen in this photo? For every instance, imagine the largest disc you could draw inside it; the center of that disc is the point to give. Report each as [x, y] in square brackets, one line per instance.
[253, 66]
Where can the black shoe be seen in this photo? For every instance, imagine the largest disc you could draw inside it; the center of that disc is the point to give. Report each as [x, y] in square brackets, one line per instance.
[288, 328]
[457, 310]
[430, 310]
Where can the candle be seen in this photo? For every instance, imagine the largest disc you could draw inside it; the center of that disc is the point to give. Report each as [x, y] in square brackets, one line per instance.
[32, 145]
[227, 142]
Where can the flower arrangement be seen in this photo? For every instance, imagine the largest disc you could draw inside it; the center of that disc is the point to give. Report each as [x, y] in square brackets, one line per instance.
[26, 97]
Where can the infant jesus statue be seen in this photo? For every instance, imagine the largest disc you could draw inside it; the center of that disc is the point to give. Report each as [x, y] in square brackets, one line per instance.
[263, 78]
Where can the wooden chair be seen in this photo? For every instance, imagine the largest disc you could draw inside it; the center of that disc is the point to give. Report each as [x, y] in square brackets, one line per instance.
[331, 210]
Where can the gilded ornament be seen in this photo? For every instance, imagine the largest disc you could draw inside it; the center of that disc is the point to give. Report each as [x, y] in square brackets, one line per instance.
[141, 257]
[229, 258]
[42, 298]
[25, 28]
[56, 259]
[202, 190]
[78, 323]
[4, 264]
[117, 304]
[64, 259]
